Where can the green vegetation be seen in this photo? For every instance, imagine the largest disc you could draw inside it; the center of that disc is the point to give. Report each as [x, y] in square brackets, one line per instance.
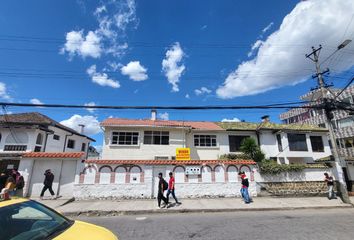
[250, 149]
[272, 167]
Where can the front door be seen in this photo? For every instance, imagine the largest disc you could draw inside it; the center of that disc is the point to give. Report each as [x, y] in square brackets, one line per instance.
[155, 185]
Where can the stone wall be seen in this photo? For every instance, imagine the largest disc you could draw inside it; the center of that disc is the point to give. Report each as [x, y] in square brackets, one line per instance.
[306, 188]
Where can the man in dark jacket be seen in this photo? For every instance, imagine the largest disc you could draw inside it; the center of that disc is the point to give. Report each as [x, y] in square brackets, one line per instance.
[162, 188]
[48, 182]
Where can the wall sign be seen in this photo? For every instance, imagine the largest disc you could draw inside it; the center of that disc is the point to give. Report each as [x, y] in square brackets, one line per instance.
[193, 170]
[183, 154]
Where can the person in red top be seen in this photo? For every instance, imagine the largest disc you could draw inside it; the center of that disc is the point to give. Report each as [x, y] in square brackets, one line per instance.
[244, 187]
[171, 188]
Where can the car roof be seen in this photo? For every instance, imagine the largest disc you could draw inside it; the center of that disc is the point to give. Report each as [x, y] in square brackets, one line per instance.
[6, 203]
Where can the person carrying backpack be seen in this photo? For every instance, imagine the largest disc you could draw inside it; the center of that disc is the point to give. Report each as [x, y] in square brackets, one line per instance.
[163, 185]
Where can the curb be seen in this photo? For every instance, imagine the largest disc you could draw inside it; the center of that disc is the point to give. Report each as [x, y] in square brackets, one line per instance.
[98, 213]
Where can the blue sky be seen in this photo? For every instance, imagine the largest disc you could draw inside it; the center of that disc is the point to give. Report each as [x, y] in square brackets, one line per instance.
[167, 53]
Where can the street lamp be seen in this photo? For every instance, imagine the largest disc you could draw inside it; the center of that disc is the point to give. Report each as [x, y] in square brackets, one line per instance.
[343, 44]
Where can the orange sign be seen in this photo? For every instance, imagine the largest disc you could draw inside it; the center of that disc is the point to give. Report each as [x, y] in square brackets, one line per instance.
[183, 154]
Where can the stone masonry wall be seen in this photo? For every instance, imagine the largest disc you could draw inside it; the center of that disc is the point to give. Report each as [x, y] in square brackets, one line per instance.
[313, 188]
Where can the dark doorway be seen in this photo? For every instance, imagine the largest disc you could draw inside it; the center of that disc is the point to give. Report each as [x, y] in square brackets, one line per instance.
[347, 181]
[8, 164]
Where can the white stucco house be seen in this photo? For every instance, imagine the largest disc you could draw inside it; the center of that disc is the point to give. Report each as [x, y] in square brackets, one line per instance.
[136, 150]
[33, 142]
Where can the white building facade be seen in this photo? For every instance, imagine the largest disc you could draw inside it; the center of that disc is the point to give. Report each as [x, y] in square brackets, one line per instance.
[25, 140]
[135, 151]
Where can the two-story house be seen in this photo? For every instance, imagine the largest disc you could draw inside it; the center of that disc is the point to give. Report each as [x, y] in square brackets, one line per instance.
[33, 142]
[136, 150]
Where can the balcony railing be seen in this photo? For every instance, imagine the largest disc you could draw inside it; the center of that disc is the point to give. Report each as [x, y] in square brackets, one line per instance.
[15, 148]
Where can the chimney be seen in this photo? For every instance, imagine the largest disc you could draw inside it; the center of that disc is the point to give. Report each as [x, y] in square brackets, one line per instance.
[153, 114]
[82, 127]
[265, 118]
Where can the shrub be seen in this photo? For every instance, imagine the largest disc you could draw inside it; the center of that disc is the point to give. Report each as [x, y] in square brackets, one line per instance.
[272, 167]
[250, 148]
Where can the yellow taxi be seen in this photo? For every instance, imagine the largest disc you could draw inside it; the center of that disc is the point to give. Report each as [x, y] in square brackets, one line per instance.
[22, 219]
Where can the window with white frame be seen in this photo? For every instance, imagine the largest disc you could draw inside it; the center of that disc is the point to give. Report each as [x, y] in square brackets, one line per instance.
[125, 138]
[157, 137]
[205, 140]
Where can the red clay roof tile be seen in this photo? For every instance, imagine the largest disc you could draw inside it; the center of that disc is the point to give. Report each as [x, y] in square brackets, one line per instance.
[160, 123]
[173, 162]
[53, 155]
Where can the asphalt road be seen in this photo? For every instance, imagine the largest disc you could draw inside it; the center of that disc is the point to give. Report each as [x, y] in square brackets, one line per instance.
[300, 224]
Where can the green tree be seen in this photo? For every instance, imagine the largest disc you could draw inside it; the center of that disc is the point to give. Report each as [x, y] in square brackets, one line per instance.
[250, 148]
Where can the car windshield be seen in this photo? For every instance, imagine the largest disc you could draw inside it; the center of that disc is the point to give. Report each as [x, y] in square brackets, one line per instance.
[30, 220]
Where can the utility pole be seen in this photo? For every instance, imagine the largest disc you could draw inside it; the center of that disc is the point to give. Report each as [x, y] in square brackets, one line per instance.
[314, 56]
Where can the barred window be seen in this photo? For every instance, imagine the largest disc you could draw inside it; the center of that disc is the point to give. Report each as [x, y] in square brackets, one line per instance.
[157, 137]
[205, 140]
[125, 138]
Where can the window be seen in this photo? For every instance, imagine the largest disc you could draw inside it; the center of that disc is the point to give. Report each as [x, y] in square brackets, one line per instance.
[125, 138]
[346, 122]
[71, 143]
[297, 142]
[280, 147]
[348, 142]
[37, 148]
[83, 147]
[39, 139]
[205, 140]
[322, 125]
[156, 137]
[56, 137]
[317, 144]
[235, 142]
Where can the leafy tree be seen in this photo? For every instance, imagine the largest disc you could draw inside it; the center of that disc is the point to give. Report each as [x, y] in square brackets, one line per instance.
[250, 148]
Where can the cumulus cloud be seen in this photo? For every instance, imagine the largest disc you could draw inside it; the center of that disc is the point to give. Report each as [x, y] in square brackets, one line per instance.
[91, 110]
[36, 101]
[172, 66]
[255, 46]
[231, 120]
[163, 116]
[280, 59]
[135, 71]
[3, 92]
[79, 44]
[101, 79]
[187, 96]
[92, 125]
[113, 18]
[201, 91]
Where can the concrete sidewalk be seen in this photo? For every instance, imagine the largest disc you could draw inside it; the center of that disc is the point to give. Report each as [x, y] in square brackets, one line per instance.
[115, 207]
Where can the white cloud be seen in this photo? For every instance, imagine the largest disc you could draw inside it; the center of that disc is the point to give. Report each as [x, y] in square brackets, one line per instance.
[231, 120]
[172, 66]
[163, 116]
[85, 46]
[280, 59]
[201, 91]
[135, 71]
[255, 46]
[101, 79]
[113, 18]
[3, 92]
[92, 125]
[91, 110]
[187, 96]
[204, 27]
[36, 101]
[267, 27]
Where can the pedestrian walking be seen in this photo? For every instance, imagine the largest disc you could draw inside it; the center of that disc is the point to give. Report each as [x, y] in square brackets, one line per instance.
[163, 185]
[330, 184]
[48, 182]
[244, 187]
[171, 188]
[19, 181]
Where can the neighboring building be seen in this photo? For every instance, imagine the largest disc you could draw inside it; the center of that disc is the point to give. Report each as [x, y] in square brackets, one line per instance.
[135, 151]
[342, 122]
[27, 138]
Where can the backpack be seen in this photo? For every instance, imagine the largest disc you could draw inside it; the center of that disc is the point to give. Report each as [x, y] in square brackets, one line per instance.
[165, 185]
[20, 183]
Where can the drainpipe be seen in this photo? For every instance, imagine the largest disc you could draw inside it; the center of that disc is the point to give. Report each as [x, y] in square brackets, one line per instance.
[45, 142]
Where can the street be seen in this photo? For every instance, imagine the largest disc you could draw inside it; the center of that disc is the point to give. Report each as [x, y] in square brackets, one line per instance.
[299, 224]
